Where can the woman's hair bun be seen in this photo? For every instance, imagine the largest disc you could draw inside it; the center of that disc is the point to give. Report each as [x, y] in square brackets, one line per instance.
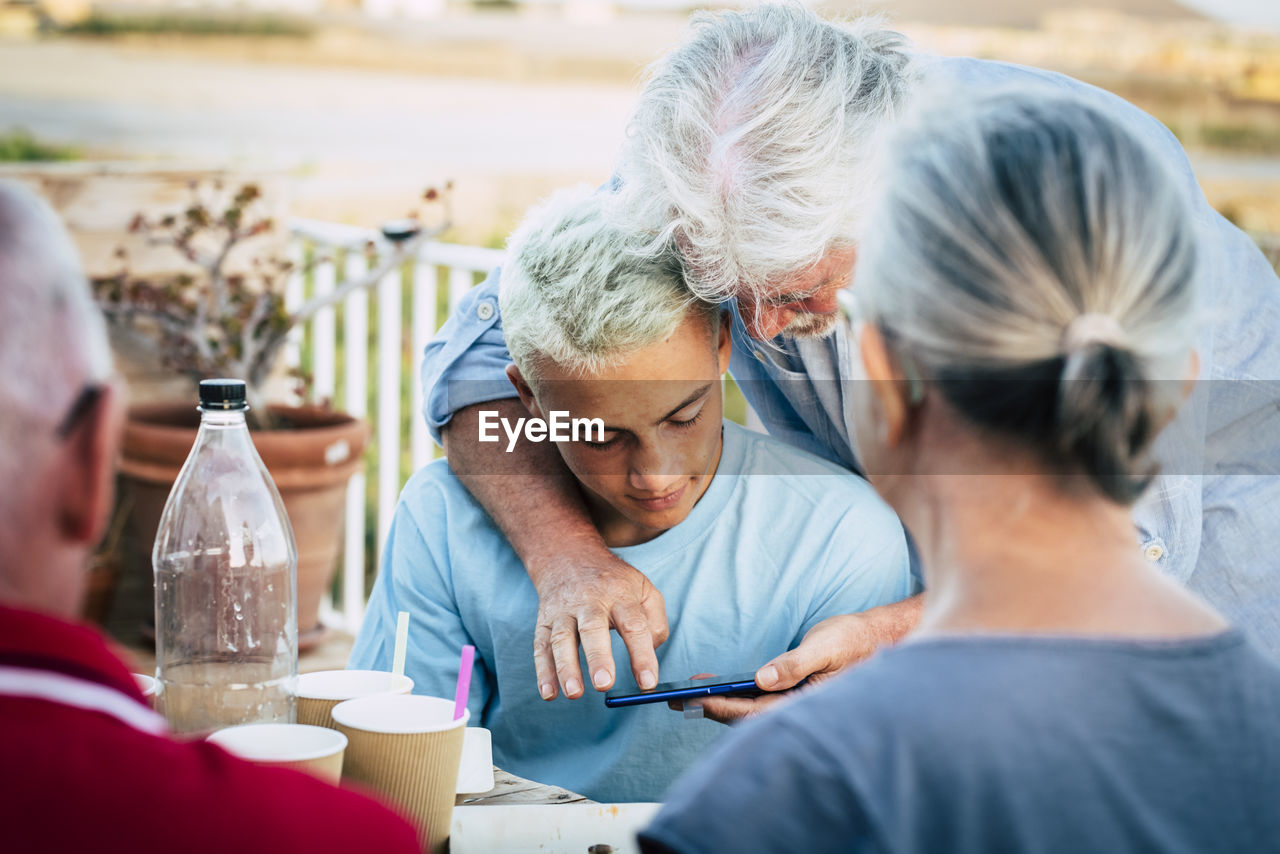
[1036, 261]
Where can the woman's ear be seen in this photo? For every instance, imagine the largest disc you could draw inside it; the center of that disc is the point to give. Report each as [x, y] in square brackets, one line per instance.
[889, 387]
[524, 390]
[724, 344]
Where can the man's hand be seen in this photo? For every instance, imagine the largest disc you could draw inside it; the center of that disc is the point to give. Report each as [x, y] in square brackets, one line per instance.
[577, 604]
[583, 588]
[827, 649]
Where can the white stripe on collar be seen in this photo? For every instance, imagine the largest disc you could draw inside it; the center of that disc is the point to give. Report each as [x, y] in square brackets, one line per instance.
[80, 694]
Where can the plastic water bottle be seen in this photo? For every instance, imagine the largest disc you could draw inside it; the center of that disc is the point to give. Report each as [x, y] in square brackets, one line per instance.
[226, 572]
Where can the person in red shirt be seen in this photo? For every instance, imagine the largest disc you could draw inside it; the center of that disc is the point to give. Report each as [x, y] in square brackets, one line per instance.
[85, 765]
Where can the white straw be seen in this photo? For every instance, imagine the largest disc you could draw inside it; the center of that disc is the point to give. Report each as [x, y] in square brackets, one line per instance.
[402, 643]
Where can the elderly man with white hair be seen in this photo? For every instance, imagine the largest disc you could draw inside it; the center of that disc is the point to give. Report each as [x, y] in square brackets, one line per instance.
[86, 763]
[753, 148]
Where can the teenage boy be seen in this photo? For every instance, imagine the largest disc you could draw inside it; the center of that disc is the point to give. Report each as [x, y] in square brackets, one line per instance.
[752, 541]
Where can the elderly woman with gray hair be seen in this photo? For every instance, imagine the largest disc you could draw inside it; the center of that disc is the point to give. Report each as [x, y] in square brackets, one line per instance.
[1028, 282]
[752, 149]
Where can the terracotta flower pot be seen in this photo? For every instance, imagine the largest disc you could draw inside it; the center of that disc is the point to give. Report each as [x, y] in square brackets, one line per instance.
[310, 461]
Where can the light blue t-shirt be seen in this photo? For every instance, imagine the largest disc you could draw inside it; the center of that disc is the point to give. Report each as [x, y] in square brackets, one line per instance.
[779, 541]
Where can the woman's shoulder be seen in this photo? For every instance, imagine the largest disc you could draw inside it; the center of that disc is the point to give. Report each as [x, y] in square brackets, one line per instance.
[919, 695]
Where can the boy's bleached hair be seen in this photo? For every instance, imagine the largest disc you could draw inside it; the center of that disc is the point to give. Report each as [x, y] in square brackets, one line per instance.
[574, 291]
[750, 144]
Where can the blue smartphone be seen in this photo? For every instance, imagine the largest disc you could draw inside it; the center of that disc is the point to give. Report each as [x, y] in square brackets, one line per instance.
[742, 685]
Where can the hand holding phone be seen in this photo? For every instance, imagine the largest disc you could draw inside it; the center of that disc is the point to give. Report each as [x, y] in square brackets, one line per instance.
[741, 685]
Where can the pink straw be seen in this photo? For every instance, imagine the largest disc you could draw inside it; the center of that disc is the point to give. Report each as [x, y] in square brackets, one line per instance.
[464, 681]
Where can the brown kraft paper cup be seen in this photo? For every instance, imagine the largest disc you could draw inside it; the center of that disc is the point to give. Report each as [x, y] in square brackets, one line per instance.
[416, 771]
[315, 706]
[315, 712]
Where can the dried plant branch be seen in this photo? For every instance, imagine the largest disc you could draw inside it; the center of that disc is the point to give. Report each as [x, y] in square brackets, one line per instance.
[231, 324]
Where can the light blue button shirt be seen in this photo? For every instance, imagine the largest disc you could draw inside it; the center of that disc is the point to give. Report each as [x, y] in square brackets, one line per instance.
[779, 541]
[1212, 518]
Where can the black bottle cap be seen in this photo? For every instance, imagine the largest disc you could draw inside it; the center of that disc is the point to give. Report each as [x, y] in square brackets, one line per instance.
[222, 394]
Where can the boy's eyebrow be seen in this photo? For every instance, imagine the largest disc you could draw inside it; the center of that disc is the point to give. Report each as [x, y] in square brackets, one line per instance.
[688, 400]
[701, 392]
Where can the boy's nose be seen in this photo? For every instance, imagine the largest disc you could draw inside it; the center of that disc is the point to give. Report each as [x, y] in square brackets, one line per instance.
[653, 481]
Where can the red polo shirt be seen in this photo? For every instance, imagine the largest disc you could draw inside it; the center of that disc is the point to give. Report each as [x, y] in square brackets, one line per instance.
[82, 768]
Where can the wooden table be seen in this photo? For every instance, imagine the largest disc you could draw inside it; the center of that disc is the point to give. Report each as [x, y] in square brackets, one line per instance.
[510, 789]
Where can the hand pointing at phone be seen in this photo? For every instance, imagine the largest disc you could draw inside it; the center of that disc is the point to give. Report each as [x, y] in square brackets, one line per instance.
[829, 647]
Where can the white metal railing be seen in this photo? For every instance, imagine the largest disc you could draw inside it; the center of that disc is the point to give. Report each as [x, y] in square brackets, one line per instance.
[459, 267]
[330, 246]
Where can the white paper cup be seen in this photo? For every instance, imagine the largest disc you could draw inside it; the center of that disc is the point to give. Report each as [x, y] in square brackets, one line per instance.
[408, 748]
[320, 691]
[314, 749]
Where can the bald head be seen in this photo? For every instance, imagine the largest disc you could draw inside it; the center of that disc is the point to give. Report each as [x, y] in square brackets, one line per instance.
[53, 344]
[52, 336]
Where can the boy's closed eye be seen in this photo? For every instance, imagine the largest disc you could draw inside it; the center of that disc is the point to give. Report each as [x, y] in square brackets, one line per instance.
[611, 440]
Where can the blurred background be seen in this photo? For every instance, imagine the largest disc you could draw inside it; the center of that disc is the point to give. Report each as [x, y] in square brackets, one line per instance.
[341, 113]
[358, 102]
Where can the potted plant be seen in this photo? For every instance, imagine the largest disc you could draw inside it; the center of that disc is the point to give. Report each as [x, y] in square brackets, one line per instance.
[225, 316]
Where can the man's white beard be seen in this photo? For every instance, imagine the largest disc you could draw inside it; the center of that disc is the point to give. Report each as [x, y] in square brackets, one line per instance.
[805, 325]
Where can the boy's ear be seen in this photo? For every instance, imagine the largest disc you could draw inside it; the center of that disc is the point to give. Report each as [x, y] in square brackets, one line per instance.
[524, 390]
[724, 343]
